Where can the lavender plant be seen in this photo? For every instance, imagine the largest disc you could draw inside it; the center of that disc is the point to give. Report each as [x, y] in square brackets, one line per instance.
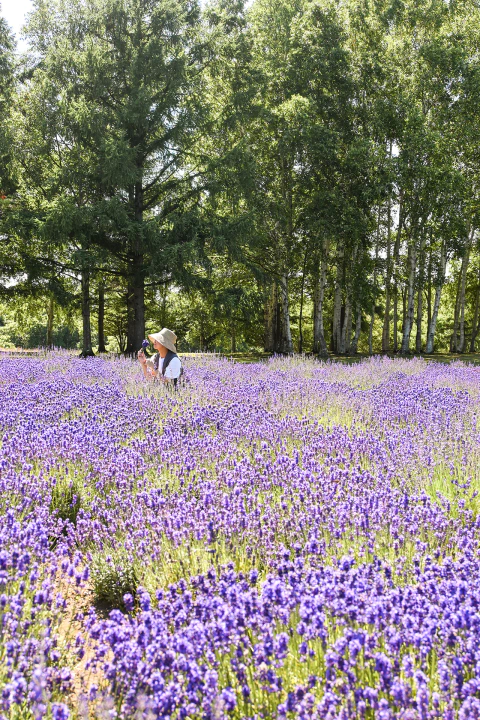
[279, 540]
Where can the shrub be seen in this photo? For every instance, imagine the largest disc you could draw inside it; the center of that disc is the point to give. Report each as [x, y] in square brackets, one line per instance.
[66, 500]
[63, 336]
[113, 576]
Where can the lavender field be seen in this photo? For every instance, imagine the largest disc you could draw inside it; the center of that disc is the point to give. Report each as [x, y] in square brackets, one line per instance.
[288, 539]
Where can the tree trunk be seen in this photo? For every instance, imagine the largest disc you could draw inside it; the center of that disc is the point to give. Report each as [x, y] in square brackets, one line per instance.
[372, 316]
[121, 339]
[408, 315]
[271, 304]
[285, 339]
[337, 305]
[319, 344]
[302, 294]
[337, 319]
[346, 328]
[396, 263]
[130, 317]
[395, 319]
[101, 318]
[300, 322]
[139, 310]
[285, 237]
[136, 288]
[463, 284]
[429, 291]
[388, 279]
[163, 306]
[418, 337]
[454, 339]
[436, 303]
[476, 313]
[136, 307]
[233, 340]
[50, 323]
[358, 326]
[87, 350]
[370, 331]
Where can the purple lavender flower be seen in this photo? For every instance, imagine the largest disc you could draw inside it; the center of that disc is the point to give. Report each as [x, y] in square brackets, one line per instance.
[60, 711]
[229, 700]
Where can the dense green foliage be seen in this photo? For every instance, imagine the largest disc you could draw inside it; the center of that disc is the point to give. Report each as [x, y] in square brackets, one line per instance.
[292, 176]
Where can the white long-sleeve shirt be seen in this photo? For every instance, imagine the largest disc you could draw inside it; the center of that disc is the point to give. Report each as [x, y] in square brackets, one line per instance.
[173, 370]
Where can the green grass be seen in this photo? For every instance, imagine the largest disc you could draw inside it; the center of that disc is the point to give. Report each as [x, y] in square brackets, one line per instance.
[257, 356]
[252, 357]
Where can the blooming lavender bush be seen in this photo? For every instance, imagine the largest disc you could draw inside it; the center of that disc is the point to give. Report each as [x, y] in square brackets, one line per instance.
[278, 540]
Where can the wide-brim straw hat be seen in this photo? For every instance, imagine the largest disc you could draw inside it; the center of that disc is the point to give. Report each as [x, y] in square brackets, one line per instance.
[165, 337]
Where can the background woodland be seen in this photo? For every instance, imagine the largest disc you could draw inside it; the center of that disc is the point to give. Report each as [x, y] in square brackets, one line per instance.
[291, 176]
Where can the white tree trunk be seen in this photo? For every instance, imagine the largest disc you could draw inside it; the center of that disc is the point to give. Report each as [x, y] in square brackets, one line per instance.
[407, 329]
[319, 343]
[270, 319]
[418, 338]
[372, 315]
[346, 332]
[463, 284]
[286, 344]
[337, 311]
[436, 303]
[476, 314]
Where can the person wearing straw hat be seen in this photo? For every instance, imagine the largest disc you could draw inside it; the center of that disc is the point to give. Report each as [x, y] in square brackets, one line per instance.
[166, 364]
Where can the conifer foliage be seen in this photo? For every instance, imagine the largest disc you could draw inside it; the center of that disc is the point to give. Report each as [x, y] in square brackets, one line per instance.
[313, 161]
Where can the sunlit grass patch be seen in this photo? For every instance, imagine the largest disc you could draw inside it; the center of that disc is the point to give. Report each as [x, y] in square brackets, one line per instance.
[192, 558]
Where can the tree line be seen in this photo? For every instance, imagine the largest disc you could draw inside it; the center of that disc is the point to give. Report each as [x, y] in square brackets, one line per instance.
[297, 175]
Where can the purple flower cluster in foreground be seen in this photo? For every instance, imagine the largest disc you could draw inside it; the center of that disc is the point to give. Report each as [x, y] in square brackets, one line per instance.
[297, 539]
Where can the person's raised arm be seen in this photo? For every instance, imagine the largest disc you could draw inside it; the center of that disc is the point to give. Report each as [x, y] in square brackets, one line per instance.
[147, 372]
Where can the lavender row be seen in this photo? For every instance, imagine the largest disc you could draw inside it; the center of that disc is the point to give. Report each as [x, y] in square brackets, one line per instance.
[288, 539]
